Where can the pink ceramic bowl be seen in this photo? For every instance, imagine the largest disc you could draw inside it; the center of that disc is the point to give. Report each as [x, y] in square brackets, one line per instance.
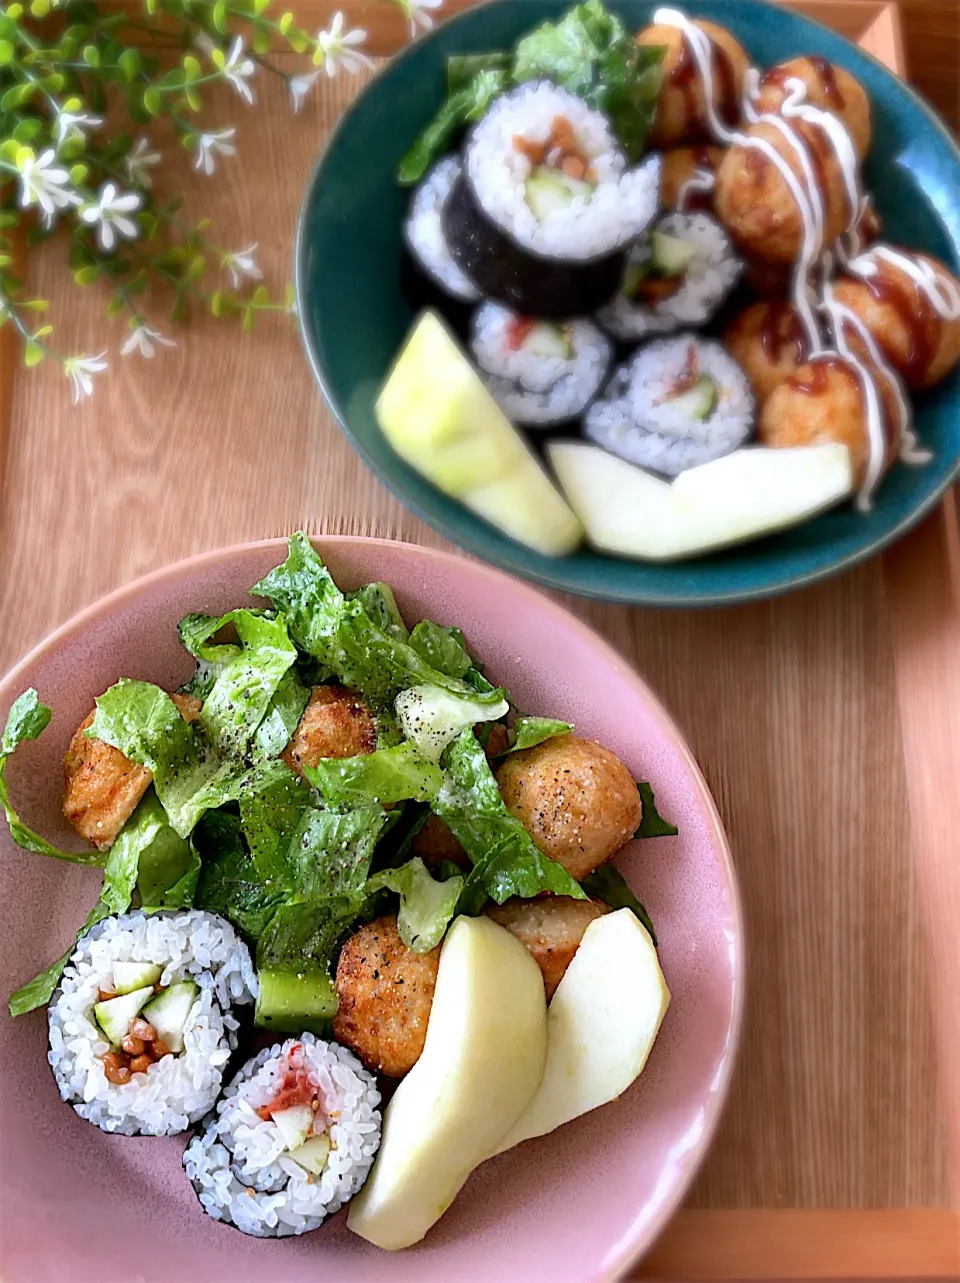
[581, 1204]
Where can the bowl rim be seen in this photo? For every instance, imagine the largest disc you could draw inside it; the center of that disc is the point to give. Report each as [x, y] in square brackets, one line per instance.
[633, 1244]
[513, 558]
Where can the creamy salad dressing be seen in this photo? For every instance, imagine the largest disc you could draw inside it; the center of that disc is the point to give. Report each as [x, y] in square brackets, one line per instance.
[809, 196]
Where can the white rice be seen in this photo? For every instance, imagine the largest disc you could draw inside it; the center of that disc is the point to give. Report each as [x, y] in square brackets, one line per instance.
[424, 234]
[635, 420]
[238, 1166]
[620, 207]
[534, 388]
[712, 274]
[179, 1089]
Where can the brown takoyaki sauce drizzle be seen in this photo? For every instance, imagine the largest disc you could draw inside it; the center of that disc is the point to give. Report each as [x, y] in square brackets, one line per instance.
[781, 334]
[816, 382]
[828, 78]
[917, 317]
[686, 75]
[703, 158]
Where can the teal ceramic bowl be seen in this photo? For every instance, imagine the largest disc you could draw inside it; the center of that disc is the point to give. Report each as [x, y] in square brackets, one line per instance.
[354, 314]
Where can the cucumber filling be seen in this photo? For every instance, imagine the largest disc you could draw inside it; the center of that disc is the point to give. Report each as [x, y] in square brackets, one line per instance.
[560, 171]
[144, 1024]
[660, 272]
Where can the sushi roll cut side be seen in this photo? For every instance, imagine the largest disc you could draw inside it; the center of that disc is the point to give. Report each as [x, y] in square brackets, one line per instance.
[546, 208]
[141, 1027]
[291, 1141]
[677, 403]
[541, 373]
[424, 234]
[680, 275]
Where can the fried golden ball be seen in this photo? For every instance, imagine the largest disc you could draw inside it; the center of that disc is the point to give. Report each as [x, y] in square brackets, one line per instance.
[576, 799]
[102, 787]
[550, 928]
[829, 87]
[385, 992]
[823, 401]
[767, 343]
[681, 106]
[679, 164]
[919, 343]
[335, 723]
[435, 843]
[755, 203]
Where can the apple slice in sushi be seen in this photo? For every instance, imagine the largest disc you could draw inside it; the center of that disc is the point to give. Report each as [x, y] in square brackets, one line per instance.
[438, 416]
[752, 492]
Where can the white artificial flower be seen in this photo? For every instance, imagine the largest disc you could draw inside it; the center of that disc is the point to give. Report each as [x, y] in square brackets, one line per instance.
[80, 371]
[240, 264]
[144, 339]
[418, 13]
[211, 145]
[67, 120]
[238, 69]
[111, 214]
[300, 86]
[338, 48]
[45, 184]
[139, 162]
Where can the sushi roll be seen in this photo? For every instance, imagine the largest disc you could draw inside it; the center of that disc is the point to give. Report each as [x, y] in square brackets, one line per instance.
[544, 213]
[291, 1141]
[424, 235]
[141, 1027]
[677, 403]
[541, 373]
[678, 276]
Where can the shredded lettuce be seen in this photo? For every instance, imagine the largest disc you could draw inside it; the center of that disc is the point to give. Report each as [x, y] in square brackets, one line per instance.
[608, 884]
[389, 775]
[144, 842]
[426, 906]
[444, 648]
[528, 732]
[506, 860]
[27, 720]
[168, 865]
[230, 884]
[588, 51]
[432, 717]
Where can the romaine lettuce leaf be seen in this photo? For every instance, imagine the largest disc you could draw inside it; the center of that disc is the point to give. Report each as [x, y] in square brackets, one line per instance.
[350, 637]
[168, 865]
[652, 825]
[506, 860]
[389, 775]
[282, 716]
[229, 883]
[528, 732]
[426, 906]
[461, 68]
[442, 647]
[380, 604]
[247, 683]
[432, 717]
[608, 884]
[27, 720]
[136, 844]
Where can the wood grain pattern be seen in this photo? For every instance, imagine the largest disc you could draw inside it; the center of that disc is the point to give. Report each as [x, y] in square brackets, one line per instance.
[772, 1246]
[792, 707]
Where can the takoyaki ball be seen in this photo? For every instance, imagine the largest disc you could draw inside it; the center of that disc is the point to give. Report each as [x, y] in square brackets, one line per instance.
[828, 87]
[766, 341]
[823, 401]
[678, 167]
[681, 107]
[550, 928]
[919, 343]
[754, 201]
[435, 843]
[575, 798]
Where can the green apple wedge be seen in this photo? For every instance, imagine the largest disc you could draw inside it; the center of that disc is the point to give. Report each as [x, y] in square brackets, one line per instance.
[438, 416]
[601, 1023]
[480, 1067]
[751, 492]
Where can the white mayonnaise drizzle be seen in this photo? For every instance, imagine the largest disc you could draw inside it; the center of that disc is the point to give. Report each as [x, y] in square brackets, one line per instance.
[701, 180]
[810, 202]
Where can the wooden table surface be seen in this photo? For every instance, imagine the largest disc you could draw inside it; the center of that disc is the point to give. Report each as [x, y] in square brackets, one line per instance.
[803, 713]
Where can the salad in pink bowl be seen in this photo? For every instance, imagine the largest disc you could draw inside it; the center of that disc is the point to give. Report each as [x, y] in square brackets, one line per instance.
[413, 908]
